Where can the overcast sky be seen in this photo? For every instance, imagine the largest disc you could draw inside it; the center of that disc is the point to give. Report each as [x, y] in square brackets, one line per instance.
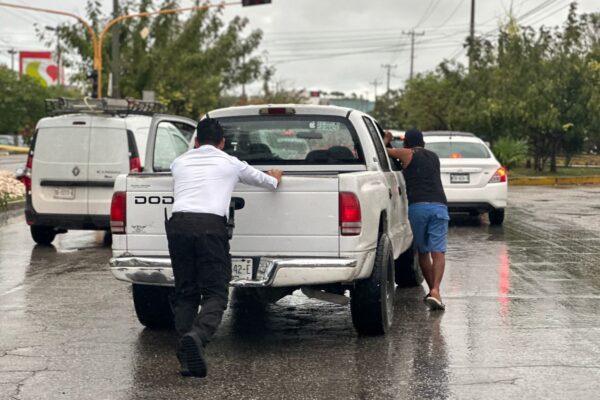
[337, 45]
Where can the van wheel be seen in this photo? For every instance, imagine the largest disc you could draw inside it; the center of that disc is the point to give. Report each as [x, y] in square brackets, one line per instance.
[496, 216]
[43, 235]
[407, 270]
[372, 300]
[153, 306]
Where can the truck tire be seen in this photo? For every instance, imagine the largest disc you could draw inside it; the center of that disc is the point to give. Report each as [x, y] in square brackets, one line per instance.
[407, 270]
[43, 235]
[496, 216]
[372, 300]
[153, 306]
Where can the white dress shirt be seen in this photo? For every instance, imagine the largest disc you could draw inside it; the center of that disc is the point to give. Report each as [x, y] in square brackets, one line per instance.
[204, 179]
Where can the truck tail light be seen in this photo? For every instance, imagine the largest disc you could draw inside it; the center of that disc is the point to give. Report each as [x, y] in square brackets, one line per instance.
[350, 216]
[135, 165]
[277, 111]
[118, 209]
[25, 178]
[500, 176]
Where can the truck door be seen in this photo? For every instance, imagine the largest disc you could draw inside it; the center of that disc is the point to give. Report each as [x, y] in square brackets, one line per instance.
[397, 213]
[149, 200]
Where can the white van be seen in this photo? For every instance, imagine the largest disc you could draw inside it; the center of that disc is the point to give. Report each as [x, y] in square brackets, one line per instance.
[73, 162]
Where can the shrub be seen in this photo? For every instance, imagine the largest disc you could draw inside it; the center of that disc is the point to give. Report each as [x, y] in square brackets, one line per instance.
[511, 152]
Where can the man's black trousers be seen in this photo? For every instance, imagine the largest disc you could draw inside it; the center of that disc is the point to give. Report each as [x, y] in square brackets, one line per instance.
[199, 249]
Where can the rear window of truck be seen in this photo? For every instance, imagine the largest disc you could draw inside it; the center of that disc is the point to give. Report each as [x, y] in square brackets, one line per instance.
[458, 149]
[292, 140]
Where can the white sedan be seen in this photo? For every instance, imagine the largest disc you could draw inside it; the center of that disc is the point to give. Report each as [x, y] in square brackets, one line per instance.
[474, 181]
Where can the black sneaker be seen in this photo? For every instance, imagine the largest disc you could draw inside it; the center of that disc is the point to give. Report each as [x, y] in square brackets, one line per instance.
[191, 356]
[184, 369]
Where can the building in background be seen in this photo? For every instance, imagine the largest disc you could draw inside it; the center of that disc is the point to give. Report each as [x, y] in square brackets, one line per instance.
[40, 66]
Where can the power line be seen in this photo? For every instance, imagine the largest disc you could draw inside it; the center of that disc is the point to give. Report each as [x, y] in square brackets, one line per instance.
[554, 11]
[452, 13]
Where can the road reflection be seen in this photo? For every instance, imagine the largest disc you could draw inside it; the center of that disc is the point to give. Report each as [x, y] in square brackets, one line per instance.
[308, 350]
[504, 281]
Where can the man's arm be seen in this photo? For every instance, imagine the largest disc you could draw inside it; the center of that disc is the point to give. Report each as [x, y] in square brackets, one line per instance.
[404, 155]
[251, 176]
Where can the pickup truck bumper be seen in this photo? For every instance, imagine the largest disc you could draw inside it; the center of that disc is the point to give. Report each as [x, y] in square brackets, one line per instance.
[274, 272]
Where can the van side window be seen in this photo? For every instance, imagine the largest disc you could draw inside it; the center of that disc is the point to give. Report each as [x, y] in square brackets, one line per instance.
[172, 140]
[377, 141]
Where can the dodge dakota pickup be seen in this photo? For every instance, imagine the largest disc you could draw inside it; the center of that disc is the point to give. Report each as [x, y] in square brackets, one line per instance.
[336, 228]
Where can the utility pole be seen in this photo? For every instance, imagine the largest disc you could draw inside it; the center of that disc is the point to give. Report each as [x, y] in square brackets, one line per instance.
[12, 53]
[472, 33]
[389, 68]
[375, 83]
[116, 53]
[412, 35]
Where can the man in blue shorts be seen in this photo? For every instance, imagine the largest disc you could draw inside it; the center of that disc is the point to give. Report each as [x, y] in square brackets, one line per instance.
[427, 209]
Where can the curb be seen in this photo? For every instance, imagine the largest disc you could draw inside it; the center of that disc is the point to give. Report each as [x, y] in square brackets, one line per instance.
[554, 180]
[14, 205]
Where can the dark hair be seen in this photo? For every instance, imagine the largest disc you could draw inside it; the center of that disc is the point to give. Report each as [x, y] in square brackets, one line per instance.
[209, 131]
[413, 138]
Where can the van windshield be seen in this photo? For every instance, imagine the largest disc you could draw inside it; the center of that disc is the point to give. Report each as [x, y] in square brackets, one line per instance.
[292, 140]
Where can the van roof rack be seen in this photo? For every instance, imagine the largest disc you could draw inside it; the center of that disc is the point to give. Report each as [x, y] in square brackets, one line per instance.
[87, 105]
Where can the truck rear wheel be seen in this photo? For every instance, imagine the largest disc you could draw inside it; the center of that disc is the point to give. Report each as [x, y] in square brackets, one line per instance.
[372, 301]
[153, 306]
[407, 270]
[43, 235]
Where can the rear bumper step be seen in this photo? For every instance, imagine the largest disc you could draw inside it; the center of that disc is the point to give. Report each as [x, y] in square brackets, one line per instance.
[275, 272]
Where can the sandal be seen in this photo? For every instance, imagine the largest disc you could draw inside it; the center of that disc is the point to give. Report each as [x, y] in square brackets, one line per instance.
[434, 304]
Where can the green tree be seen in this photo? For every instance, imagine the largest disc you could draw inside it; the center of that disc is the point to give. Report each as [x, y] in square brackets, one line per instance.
[537, 85]
[189, 61]
[22, 100]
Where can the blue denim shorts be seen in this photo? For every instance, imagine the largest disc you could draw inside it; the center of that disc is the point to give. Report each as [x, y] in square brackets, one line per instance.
[429, 223]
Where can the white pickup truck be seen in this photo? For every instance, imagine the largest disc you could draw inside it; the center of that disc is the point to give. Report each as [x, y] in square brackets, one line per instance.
[337, 223]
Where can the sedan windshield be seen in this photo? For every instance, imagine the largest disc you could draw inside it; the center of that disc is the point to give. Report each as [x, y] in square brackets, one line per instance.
[459, 149]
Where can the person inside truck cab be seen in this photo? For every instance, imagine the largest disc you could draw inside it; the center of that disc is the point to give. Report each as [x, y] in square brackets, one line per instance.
[427, 209]
[204, 179]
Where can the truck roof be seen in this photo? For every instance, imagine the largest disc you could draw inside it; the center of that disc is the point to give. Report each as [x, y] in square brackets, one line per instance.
[299, 109]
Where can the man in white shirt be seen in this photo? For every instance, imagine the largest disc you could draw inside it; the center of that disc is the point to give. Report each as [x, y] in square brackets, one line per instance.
[204, 178]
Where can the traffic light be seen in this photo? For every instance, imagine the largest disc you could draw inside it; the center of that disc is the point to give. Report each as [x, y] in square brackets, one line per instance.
[246, 3]
[93, 75]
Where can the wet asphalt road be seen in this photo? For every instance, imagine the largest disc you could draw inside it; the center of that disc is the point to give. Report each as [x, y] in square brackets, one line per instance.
[522, 323]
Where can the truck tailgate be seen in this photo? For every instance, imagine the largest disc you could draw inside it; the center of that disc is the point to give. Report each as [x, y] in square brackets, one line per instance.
[300, 218]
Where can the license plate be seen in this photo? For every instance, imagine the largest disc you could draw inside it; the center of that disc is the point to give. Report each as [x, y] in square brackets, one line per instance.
[64, 193]
[459, 178]
[241, 269]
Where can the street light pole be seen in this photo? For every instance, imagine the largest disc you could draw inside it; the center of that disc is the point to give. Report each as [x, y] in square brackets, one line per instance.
[12, 53]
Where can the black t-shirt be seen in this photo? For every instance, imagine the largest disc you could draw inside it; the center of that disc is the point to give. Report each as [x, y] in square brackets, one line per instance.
[422, 176]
